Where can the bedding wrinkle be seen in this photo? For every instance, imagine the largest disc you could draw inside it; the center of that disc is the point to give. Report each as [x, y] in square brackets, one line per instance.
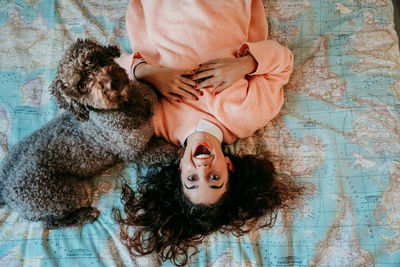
[337, 132]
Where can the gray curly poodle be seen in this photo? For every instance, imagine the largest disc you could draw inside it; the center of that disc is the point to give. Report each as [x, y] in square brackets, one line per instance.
[108, 121]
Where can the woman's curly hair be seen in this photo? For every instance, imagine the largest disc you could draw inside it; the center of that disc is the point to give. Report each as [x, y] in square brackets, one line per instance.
[159, 218]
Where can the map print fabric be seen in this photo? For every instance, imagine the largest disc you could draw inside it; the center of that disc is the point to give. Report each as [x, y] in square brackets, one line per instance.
[338, 134]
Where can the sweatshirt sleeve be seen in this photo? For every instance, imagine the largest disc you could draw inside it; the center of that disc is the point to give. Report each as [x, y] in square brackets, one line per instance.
[272, 58]
[264, 96]
[126, 60]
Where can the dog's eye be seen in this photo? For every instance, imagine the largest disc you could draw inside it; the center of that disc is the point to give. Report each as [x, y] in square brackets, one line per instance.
[81, 85]
[81, 88]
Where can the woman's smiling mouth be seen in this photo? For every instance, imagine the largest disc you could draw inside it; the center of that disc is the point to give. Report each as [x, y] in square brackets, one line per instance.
[202, 151]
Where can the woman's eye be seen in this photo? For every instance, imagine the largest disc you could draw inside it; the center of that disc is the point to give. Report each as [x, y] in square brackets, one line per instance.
[214, 177]
[191, 178]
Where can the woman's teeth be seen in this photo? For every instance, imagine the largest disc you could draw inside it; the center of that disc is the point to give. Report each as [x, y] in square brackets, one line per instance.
[202, 151]
[202, 156]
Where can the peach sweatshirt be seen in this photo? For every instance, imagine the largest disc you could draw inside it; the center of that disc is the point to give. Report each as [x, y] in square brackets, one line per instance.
[183, 34]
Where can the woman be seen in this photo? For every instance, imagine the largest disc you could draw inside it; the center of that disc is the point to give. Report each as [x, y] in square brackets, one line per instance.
[220, 79]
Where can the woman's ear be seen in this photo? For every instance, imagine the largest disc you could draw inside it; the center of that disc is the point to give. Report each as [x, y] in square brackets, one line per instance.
[229, 164]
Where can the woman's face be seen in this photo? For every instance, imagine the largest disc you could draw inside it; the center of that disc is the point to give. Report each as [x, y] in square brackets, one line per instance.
[204, 169]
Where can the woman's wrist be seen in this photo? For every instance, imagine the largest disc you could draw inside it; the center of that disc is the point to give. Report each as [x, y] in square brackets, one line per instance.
[147, 72]
[142, 71]
[249, 64]
[136, 63]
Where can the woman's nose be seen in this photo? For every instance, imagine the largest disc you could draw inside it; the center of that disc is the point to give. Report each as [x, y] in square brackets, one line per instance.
[203, 163]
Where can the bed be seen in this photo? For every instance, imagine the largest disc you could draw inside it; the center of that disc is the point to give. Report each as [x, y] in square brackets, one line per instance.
[338, 135]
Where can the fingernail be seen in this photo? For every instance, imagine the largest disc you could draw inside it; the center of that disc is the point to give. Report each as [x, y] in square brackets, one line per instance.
[178, 101]
[216, 93]
[197, 98]
[195, 87]
[191, 77]
[201, 93]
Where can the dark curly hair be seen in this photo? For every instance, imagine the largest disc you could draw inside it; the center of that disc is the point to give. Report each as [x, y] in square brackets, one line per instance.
[162, 220]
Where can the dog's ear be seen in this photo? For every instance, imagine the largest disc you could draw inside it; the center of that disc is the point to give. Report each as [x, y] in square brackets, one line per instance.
[103, 56]
[58, 89]
[112, 51]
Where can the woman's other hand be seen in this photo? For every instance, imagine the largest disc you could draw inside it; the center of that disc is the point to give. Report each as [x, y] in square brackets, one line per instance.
[171, 83]
[221, 73]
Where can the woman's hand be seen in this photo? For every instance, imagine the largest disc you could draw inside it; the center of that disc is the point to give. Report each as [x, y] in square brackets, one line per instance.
[169, 82]
[221, 73]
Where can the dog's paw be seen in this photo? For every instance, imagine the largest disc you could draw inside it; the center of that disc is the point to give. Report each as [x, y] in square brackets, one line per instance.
[92, 215]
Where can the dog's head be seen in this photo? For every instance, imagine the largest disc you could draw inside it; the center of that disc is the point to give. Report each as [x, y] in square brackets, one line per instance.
[88, 77]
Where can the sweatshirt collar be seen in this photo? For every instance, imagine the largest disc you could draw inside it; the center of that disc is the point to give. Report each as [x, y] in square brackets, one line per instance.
[205, 126]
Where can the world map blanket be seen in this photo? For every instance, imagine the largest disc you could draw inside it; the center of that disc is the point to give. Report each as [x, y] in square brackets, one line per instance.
[338, 135]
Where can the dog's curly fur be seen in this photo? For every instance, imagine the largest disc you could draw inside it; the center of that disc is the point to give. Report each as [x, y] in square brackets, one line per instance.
[108, 120]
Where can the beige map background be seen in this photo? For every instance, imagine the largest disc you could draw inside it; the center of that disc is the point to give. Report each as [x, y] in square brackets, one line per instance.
[338, 134]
